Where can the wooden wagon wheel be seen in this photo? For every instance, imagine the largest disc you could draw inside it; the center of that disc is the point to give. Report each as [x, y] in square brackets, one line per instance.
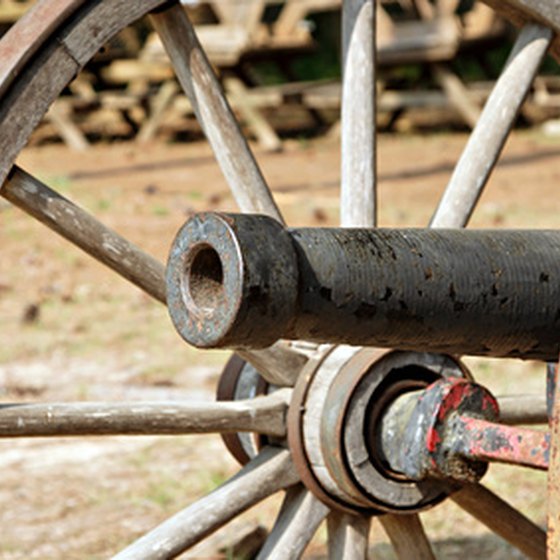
[39, 57]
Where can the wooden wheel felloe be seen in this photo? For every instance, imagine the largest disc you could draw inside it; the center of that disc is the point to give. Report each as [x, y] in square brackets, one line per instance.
[325, 454]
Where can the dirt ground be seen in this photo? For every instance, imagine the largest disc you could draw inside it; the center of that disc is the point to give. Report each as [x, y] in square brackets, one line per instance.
[70, 330]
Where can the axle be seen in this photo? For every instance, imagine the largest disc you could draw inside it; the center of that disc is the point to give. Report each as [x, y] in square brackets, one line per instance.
[245, 281]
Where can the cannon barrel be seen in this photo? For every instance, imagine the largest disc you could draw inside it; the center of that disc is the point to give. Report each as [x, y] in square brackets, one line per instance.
[245, 281]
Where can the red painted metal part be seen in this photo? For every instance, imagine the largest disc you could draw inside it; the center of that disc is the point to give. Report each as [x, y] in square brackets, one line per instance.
[488, 441]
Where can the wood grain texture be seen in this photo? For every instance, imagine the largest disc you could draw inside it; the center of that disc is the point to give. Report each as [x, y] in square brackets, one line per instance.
[553, 513]
[358, 140]
[82, 229]
[490, 134]
[298, 520]
[407, 536]
[24, 38]
[521, 12]
[502, 519]
[59, 56]
[265, 475]
[348, 536]
[213, 112]
[265, 415]
[279, 364]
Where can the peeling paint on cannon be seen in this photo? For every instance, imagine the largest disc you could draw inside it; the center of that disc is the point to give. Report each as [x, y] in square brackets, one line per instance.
[415, 289]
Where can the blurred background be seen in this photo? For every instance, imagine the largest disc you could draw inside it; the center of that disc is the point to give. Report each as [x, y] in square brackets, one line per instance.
[123, 143]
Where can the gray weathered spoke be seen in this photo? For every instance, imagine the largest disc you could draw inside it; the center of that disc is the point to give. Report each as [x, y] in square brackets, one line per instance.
[358, 188]
[278, 364]
[348, 536]
[272, 470]
[297, 522]
[502, 519]
[407, 536]
[523, 409]
[265, 415]
[82, 229]
[490, 134]
[213, 112]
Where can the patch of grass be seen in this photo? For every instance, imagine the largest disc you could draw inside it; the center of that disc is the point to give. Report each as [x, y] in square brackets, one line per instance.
[160, 211]
[60, 183]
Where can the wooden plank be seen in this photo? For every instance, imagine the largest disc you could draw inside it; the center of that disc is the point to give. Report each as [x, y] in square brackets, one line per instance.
[60, 55]
[272, 470]
[72, 136]
[358, 141]
[262, 415]
[347, 536]
[214, 114]
[489, 136]
[502, 519]
[298, 520]
[239, 97]
[456, 93]
[407, 536]
[158, 107]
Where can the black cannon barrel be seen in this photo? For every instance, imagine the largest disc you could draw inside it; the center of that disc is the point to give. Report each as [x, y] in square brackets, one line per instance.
[245, 281]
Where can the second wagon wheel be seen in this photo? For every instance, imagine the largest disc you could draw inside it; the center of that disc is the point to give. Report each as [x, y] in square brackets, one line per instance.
[328, 465]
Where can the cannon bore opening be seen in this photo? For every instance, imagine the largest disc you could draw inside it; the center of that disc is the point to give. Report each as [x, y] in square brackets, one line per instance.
[203, 280]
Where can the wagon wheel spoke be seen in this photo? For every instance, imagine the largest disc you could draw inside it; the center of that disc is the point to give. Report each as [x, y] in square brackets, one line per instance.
[279, 364]
[298, 520]
[213, 112]
[272, 470]
[348, 536]
[358, 141]
[82, 229]
[407, 536]
[490, 134]
[502, 519]
[523, 409]
[264, 415]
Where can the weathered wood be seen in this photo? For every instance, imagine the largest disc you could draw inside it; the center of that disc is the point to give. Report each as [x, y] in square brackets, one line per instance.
[522, 12]
[456, 93]
[73, 137]
[298, 520]
[265, 475]
[407, 536]
[24, 38]
[347, 536]
[553, 497]
[80, 228]
[317, 452]
[523, 409]
[279, 364]
[161, 102]
[358, 141]
[214, 114]
[83, 230]
[263, 415]
[489, 136]
[60, 53]
[502, 519]
[239, 96]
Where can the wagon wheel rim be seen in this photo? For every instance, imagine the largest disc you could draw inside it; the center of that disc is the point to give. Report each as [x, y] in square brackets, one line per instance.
[348, 537]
